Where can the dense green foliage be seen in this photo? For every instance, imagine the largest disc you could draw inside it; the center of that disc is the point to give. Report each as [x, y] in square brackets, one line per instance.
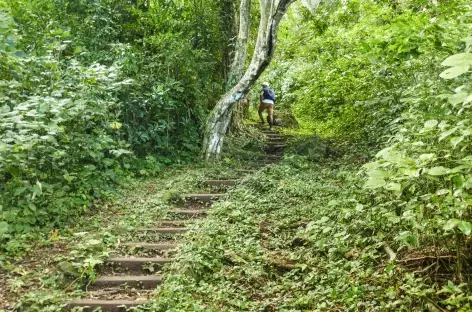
[372, 213]
[325, 238]
[348, 68]
[88, 86]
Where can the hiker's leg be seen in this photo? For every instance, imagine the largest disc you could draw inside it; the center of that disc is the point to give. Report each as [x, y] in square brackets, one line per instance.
[270, 110]
[261, 109]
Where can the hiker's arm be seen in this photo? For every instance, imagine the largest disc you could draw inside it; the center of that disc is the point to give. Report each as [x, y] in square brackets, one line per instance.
[262, 96]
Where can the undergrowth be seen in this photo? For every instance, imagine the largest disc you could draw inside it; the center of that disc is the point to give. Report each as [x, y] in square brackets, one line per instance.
[304, 235]
[55, 265]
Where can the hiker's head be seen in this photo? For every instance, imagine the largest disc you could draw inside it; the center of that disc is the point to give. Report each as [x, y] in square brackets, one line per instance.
[265, 84]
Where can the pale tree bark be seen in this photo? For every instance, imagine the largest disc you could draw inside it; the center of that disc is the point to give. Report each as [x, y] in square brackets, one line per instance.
[272, 12]
[240, 52]
[237, 66]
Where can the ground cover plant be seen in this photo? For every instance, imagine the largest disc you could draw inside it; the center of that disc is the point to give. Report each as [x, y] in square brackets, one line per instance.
[61, 262]
[369, 209]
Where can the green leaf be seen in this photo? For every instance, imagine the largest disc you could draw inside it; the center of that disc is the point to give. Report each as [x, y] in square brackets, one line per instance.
[392, 186]
[375, 182]
[466, 159]
[438, 171]
[431, 123]
[427, 157]
[458, 60]
[32, 206]
[450, 224]
[19, 191]
[389, 268]
[454, 72]
[4, 227]
[447, 133]
[69, 178]
[116, 125]
[442, 192]
[458, 98]
[468, 42]
[456, 140]
[465, 227]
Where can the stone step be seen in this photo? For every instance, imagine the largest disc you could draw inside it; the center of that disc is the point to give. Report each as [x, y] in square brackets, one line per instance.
[205, 198]
[105, 305]
[188, 212]
[150, 246]
[136, 264]
[173, 223]
[139, 281]
[170, 230]
[220, 182]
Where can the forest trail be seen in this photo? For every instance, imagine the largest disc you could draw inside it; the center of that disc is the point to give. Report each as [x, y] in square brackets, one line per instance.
[139, 264]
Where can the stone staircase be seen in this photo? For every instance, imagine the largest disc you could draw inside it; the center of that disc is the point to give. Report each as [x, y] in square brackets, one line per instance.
[144, 273]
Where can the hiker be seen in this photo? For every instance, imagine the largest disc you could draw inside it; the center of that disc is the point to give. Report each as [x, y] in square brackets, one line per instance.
[267, 102]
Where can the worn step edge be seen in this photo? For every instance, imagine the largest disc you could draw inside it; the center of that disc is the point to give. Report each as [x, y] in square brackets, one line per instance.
[150, 246]
[171, 230]
[140, 260]
[205, 198]
[106, 305]
[146, 281]
[136, 264]
[202, 196]
[170, 223]
[191, 212]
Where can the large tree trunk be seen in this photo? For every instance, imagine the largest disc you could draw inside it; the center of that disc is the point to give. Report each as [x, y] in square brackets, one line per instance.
[237, 66]
[240, 52]
[228, 17]
[272, 12]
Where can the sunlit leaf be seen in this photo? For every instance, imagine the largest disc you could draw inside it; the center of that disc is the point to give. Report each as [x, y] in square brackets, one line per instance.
[392, 186]
[431, 123]
[447, 133]
[450, 224]
[460, 59]
[456, 140]
[438, 171]
[465, 227]
[375, 182]
[454, 72]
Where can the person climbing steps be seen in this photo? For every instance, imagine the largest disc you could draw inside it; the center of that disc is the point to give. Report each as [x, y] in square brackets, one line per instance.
[267, 101]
